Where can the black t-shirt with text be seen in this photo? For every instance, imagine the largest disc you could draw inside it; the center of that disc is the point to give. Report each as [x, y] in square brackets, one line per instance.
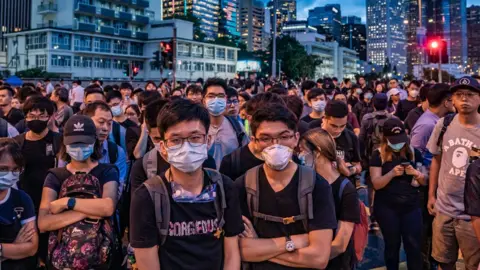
[348, 148]
[191, 243]
[285, 204]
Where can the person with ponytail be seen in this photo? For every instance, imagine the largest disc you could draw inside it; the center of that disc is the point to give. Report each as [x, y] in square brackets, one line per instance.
[396, 170]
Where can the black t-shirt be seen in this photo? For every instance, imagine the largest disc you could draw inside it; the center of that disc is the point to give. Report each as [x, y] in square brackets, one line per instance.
[138, 175]
[404, 107]
[128, 124]
[39, 157]
[318, 124]
[191, 243]
[302, 127]
[472, 189]
[346, 209]
[413, 117]
[308, 119]
[398, 193]
[285, 204]
[14, 116]
[348, 147]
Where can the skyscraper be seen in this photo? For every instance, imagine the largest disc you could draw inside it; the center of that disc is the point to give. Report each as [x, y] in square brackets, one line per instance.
[354, 36]
[447, 19]
[286, 11]
[351, 19]
[328, 18]
[414, 45]
[386, 36]
[228, 21]
[473, 35]
[252, 17]
[207, 12]
[15, 15]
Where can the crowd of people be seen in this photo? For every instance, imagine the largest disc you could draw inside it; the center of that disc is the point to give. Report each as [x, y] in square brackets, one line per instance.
[239, 174]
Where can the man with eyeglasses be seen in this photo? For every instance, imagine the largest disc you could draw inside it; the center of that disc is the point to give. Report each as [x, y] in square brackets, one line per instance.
[278, 233]
[228, 134]
[232, 104]
[195, 237]
[451, 144]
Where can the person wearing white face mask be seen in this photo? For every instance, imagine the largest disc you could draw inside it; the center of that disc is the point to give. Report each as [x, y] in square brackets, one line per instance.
[411, 102]
[18, 235]
[316, 99]
[194, 196]
[288, 209]
[228, 134]
[114, 100]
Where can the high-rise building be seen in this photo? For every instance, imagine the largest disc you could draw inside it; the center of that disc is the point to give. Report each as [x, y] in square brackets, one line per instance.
[354, 37]
[228, 21]
[252, 18]
[473, 35]
[447, 19]
[415, 36]
[386, 37]
[15, 15]
[328, 18]
[286, 11]
[207, 12]
[351, 20]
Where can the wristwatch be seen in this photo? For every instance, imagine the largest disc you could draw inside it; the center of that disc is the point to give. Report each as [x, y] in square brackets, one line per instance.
[289, 245]
[71, 203]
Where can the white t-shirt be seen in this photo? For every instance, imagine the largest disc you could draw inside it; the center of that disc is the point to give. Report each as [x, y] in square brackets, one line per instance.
[77, 95]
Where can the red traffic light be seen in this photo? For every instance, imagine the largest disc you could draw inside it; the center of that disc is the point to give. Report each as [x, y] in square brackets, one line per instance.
[135, 69]
[434, 44]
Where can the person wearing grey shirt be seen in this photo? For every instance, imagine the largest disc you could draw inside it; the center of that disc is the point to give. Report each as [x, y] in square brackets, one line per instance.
[452, 227]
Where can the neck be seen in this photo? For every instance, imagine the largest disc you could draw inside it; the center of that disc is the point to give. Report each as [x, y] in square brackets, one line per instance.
[329, 173]
[216, 121]
[409, 98]
[120, 118]
[425, 105]
[3, 194]
[317, 115]
[60, 105]
[6, 109]
[395, 102]
[32, 136]
[192, 182]
[471, 119]
[81, 166]
[280, 176]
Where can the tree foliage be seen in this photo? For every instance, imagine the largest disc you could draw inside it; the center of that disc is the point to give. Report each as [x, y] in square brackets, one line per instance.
[36, 73]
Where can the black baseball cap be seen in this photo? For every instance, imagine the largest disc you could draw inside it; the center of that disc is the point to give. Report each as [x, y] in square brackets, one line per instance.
[394, 131]
[466, 82]
[380, 101]
[79, 129]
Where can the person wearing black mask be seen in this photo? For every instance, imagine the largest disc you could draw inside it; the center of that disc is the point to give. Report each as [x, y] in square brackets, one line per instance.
[39, 147]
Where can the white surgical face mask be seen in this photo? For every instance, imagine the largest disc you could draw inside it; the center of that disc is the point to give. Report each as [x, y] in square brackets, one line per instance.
[319, 106]
[414, 93]
[187, 158]
[277, 156]
[8, 179]
[116, 110]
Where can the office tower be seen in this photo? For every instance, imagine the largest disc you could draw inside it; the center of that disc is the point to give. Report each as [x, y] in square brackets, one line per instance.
[207, 12]
[328, 18]
[354, 37]
[14, 16]
[228, 20]
[351, 20]
[386, 37]
[473, 35]
[286, 11]
[252, 18]
[447, 20]
[415, 36]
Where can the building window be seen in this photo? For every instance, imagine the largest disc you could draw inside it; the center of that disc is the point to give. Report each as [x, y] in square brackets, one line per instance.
[119, 64]
[37, 41]
[198, 66]
[209, 52]
[136, 48]
[41, 60]
[82, 62]
[102, 45]
[197, 50]
[82, 43]
[220, 53]
[103, 63]
[231, 68]
[60, 41]
[185, 66]
[61, 60]
[231, 55]
[120, 47]
[221, 68]
[209, 67]
[183, 49]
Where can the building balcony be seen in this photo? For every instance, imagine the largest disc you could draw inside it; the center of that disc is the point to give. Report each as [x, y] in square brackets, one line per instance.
[133, 3]
[140, 35]
[86, 27]
[108, 13]
[86, 9]
[107, 30]
[124, 16]
[47, 8]
[125, 33]
[140, 19]
[46, 25]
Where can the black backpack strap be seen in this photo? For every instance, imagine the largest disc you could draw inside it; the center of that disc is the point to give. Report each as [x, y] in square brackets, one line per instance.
[116, 132]
[112, 152]
[306, 185]
[251, 187]
[238, 129]
[220, 202]
[447, 120]
[60, 173]
[3, 128]
[161, 200]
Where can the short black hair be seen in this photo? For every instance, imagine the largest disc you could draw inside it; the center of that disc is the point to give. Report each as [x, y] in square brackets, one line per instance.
[194, 89]
[178, 89]
[47, 79]
[62, 94]
[146, 97]
[9, 147]
[334, 79]
[437, 94]
[231, 92]
[152, 110]
[150, 82]
[273, 113]
[245, 96]
[77, 82]
[320, 81]
[295, 104]
[308, 85]
[113, 94]
[214, 82]
[346, 80]
[279, 90]
[249, 84]
[336, 109]
[262, 100]
[415, 82]
[424, 91]
[25, 92]
[181, 110]
[315, 92]
[91, 108]
[10, 90]
[40, 103]
[126, 85]
[200, 80]
[92, 91]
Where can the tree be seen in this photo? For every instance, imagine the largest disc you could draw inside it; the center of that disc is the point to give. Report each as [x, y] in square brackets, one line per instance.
[387, 68]
[395, 72]
[36, 73]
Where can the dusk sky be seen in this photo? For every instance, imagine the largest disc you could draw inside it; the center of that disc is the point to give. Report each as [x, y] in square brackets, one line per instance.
[351, 7]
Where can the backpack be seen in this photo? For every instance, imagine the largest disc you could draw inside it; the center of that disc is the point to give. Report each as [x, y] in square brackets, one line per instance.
[3, 128]
[149, 163]
[159, 194]
[447, 120]
[237, 128]
[360, 231]
[85, 244]
[375, 134]
[116, 133]
[112, 152]
[305, 200]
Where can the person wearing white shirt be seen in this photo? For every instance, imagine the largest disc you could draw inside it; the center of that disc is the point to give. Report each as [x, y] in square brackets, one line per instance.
[48, 86]
[76, 95]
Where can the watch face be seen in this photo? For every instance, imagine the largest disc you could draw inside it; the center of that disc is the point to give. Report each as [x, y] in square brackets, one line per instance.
[289, 246]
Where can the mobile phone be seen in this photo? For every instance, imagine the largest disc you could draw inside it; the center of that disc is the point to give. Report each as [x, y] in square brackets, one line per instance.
[406, 164]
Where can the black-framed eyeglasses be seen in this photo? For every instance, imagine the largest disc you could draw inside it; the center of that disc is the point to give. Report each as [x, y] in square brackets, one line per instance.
[234, 102]
[270, 140]
[16, 171]
[194, 141]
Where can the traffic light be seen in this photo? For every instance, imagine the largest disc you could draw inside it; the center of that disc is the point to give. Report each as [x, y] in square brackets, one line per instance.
[435, 46]
[167, 54]
[126, 70]
[135, 71]
[156, 59]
